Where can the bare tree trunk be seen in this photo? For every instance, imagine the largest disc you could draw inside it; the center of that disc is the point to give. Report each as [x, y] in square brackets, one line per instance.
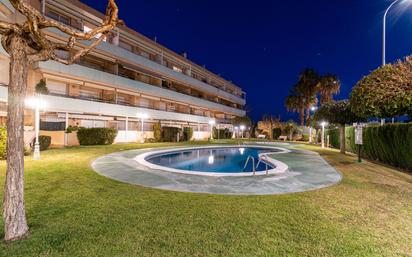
[342, 138]
[15, 224]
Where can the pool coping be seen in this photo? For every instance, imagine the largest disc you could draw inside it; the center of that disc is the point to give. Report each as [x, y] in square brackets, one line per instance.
[280, 166]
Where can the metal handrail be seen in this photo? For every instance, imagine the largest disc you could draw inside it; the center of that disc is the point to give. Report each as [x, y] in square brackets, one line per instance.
[265, 161]
[253, 162]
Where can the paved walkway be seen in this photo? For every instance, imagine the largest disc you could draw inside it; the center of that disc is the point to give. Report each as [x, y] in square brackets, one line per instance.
[307, 171]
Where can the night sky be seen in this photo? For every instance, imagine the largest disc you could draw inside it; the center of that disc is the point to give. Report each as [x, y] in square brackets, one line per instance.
[262, 45]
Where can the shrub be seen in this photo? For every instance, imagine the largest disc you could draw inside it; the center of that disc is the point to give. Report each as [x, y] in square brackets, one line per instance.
[44, 142]
[277, 132]
[3, 142]
[222, 133]
[157, 130]
[187, 133]
[70, 129]
[96, 136]
[169, 134]
[390, 144]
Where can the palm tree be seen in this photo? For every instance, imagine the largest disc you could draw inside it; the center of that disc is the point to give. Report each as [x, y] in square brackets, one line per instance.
[329, 86]
[295, 102]
[309, 81]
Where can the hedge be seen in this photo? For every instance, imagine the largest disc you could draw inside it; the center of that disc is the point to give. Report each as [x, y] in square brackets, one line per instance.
[3, 141]
[157, 131]
[44, 142]
[390, 144]
[277, 132]
[222, 133]
[187, 133]
[169, 134]
[96, 136]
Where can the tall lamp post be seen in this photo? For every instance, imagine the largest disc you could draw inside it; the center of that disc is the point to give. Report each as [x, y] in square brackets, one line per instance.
[313, 109]
[37, 103]
[142, 117]
[242, 129]
[323, 133]
[384, 36]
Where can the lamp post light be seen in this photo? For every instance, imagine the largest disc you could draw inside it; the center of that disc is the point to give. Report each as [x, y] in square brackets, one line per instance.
[211, 123]
[313, 109]
[384, 28]
[242, 129]
[37, 103]
[384, 36]
[323, 133]
[142, 117]
[236, 132]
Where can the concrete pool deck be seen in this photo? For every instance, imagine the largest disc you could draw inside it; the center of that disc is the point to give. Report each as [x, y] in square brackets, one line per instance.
[307, 171]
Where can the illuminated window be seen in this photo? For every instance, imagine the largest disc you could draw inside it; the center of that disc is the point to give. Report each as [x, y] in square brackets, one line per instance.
[177, 69]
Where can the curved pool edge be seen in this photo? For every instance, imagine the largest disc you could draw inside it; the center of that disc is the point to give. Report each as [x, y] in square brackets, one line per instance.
[308, 172]
[280, 167]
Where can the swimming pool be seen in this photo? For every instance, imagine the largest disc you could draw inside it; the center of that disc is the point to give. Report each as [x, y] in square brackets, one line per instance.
[215, 161]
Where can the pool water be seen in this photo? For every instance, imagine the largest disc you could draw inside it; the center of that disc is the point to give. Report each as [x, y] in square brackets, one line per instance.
[222, 160]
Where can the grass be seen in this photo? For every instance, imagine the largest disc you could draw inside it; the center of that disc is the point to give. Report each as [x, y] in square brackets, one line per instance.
[72, 211]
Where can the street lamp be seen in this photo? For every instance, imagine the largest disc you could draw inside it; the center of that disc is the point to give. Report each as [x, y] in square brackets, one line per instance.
[236, 132]
[211, 123]
[37, 103]
[142, 117]
[313, 109]
[323, 133]
[384, 37]
[384, 28]
[242, 128]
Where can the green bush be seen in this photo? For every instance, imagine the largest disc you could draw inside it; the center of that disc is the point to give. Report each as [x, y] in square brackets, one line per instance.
[70, 129]
[222, 133]
[187, 133]
[96, 136]
[277, 132]
[3, 142]
[157, 131]
[390, 144]
[334, 138]
[169, 134]
[44, 142]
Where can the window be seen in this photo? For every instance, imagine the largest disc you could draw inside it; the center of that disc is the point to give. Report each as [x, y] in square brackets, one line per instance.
[125, 45]
[92, 123]
[177, 69]
[57, 88]
[87, 29]
[145, 54]
[59, 17]
[89, 93]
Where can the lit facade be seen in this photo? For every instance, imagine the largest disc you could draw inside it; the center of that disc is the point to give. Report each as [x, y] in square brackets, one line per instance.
[126, 75]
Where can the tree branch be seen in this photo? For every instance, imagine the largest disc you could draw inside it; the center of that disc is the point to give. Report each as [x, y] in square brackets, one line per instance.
[6, 28]
[36, 22]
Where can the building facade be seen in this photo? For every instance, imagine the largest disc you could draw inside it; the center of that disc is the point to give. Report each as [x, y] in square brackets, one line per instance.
[124, 78]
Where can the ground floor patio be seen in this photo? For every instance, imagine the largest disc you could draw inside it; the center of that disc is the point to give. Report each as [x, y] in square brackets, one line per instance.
[74, 211]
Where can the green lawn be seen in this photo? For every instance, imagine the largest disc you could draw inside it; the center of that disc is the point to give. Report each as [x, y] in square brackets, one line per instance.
[72, 211]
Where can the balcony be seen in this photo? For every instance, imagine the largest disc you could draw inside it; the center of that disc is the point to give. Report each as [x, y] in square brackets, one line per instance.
[114, 81]
[64, 103]
[155, 65]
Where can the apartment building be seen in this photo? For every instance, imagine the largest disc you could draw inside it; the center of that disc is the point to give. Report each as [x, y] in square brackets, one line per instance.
[126, 77]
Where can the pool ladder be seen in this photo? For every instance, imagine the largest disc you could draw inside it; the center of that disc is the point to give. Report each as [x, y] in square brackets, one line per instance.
[253, 163]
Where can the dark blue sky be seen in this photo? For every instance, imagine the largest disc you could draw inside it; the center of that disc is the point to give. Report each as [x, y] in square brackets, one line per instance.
[262, 45]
